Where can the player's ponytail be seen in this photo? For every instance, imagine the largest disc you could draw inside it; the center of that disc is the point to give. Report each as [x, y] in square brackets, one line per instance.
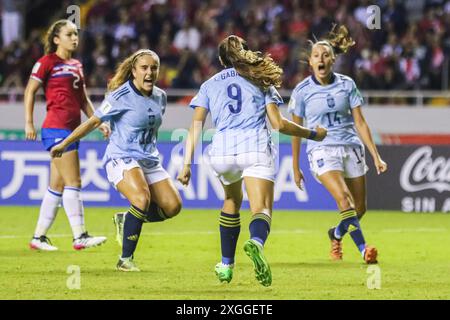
[123, 71]
[252, 65]
[52, 32]
[340, 40]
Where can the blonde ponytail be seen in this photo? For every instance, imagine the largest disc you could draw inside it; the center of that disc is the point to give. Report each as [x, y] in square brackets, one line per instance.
[252, 65]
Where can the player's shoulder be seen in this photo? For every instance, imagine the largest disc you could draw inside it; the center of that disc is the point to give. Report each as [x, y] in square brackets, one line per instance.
[303, 85]
[343, 78]
[76, 62]
[120, 93]
[48, 59]
[158, 92]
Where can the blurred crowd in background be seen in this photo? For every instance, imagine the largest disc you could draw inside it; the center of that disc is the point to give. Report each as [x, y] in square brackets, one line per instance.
[411, 50]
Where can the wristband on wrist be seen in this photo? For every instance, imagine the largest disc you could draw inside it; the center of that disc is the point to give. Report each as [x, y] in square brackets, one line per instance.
[312, 135]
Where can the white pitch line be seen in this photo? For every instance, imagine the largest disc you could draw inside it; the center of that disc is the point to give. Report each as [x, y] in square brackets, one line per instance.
[192, 232]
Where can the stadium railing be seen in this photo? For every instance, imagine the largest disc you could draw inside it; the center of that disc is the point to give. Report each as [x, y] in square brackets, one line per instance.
[413, 98]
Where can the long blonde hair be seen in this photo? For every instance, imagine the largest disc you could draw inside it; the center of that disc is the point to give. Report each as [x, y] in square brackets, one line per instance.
[123, 71]
[339, 41]
[52, 32]
[252, 65]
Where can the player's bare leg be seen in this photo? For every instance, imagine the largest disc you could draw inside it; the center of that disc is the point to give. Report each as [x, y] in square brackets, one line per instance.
[166, 197]
[134, 187]
[357, 187]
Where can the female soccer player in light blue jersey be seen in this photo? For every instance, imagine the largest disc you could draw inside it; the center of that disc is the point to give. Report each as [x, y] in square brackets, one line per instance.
[134, 107]
[333, 101]
[239, 99]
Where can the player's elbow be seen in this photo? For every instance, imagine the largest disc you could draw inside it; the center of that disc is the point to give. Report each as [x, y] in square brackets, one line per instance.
[278, 124]
[282, 125]
[95, 121]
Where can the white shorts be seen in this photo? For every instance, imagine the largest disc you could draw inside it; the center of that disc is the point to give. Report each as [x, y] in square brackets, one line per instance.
[116, 167]
[230, 169]
[348, 159]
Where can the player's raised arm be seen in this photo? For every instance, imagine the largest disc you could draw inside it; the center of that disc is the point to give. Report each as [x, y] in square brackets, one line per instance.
[288, 127]
[29, 97]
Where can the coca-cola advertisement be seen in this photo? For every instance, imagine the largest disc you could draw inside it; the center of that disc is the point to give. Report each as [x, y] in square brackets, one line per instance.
[417, 180]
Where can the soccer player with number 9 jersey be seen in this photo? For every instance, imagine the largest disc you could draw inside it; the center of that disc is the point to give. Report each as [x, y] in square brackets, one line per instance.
[239, 98]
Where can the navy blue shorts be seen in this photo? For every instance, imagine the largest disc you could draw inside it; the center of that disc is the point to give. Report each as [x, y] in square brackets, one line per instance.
[51, 137]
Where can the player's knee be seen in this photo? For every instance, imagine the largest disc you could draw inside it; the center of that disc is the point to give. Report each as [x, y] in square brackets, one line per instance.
[360, 211]
[141, 199]
[233, 204]
[343, 200]
[173, 208]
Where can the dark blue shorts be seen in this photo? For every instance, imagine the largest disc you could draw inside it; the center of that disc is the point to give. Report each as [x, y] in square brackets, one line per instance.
[51, 137]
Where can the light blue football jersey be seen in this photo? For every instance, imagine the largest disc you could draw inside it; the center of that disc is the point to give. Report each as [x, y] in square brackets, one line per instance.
[330, 107]
[135, 120]
[238, 112]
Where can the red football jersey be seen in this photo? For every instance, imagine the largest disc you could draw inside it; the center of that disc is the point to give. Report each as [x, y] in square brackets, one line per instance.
[63, 83]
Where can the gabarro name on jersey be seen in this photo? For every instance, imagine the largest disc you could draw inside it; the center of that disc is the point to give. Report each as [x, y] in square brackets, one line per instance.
[224, 75]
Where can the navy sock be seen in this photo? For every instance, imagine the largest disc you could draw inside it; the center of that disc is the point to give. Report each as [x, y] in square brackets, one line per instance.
[260, 227]
[351, 224]
[230, 227]
[155, 213]
[131, 231]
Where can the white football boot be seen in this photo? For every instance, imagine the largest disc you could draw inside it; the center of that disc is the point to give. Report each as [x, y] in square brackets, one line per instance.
[86, 241]
[42, 243]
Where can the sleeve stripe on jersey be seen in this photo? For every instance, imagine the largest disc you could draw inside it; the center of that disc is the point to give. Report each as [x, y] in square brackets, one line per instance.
[303, 85]
[36, 78]
[121, 93]
[117, 93]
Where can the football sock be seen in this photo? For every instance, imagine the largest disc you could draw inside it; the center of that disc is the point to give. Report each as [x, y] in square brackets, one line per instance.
[260, 227]
[73, 205]
[47, 214]
[132, 230]
[230, 227]
[350, 223]
[155, 213]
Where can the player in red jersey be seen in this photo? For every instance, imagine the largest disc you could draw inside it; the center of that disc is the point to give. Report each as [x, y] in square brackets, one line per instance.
[62, 78]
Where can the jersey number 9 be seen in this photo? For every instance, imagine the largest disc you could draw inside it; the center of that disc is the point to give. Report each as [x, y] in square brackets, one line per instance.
[235, 93]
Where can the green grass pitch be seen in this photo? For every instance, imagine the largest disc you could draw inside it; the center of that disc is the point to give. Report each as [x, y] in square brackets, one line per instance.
[177, 259]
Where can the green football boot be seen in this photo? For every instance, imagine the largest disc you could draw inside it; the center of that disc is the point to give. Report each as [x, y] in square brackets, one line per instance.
[262, 269]
[224, 272]
[127, 265]
[119, 220]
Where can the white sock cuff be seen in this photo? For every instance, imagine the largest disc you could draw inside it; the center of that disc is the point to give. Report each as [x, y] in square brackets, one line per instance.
[54, 193]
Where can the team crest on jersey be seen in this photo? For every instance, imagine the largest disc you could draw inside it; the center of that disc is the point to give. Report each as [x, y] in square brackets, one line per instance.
[330, 101]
